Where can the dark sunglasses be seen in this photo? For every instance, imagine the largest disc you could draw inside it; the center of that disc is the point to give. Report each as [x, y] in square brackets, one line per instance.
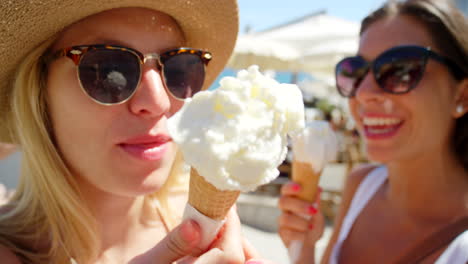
[111, 74]
[396, 71]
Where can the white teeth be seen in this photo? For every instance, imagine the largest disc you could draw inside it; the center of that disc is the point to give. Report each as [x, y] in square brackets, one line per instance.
[373, 121]
[152, 150]
[380, 131]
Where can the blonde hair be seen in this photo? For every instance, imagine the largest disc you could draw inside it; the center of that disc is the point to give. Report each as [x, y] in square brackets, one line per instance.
[47, 204]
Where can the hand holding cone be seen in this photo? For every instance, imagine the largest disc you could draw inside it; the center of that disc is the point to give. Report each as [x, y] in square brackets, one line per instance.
[304, 174]
[312, 149]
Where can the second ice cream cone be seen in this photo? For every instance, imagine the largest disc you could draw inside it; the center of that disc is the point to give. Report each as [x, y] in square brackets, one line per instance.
[304, 174]
[207, 199]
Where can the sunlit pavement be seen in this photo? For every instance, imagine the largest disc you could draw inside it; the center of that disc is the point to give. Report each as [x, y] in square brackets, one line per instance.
[270, 247]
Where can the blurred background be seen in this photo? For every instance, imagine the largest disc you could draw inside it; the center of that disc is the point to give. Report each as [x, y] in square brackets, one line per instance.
[294, 41]
[300, 41]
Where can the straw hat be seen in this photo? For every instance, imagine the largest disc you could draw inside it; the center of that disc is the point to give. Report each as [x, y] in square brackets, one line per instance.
[24, 24]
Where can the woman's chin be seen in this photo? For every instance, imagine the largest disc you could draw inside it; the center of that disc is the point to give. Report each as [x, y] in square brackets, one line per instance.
[379, 155]
[144, 185]
[150, 186]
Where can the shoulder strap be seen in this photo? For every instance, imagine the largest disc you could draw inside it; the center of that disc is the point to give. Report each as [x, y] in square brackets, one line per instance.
[363, 194]
[433, 242]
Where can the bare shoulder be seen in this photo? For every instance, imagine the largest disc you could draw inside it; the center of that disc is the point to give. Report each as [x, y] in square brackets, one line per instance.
[7, 256]
[353, 181]
[355, 178]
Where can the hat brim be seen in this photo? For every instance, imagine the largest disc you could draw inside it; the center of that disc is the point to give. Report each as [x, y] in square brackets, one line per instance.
[207, 24]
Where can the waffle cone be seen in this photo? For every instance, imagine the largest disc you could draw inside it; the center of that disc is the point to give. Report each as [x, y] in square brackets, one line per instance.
[304, 174]
[208, 200]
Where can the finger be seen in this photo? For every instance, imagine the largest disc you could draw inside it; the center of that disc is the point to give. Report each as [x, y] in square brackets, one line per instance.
[316, 229]
[297, 206]
[292, 221]
[180, 242]
[290, 188]
[288, 235]
[214, 256]
[315, 233]
[185, 260]
[259, 261]
[230, 239]
[250, 252]
[319, 193]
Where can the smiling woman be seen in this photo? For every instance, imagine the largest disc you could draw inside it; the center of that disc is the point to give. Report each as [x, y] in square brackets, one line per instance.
[86, 94]
[407, 90]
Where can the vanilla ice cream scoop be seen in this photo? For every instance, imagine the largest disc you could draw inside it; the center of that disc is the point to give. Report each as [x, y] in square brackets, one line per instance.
[236, 135]
[316, 145]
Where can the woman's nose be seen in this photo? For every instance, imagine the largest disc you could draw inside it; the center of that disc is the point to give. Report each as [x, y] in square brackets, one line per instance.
[368, 89]
[150, 98]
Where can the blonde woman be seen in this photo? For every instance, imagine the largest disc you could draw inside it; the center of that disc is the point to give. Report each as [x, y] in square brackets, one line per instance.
[86, 88]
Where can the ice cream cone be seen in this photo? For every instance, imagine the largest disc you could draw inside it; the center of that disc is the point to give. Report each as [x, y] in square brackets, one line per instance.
[208, 200]
[304, 174]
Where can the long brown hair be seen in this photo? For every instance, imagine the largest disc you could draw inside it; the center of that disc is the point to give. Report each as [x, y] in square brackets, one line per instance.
[448, 27]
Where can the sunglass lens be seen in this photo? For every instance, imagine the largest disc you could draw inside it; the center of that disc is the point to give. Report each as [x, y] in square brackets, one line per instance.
[109, 76]
[184, 74]
[349, 73]
[399, 71]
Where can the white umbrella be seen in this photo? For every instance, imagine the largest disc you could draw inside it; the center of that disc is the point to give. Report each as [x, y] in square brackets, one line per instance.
[322, 59]
[321, 40]
[269, 55]
[311, 30]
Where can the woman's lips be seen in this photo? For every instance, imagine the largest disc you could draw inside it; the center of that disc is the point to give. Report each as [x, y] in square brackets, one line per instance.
[147, 148]
[381, 127]
[381, 132]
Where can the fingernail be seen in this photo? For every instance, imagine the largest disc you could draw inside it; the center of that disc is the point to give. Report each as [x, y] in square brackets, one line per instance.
[189, 231]
[253, 262]
[311, 226]
[296, 187]
[312, 210]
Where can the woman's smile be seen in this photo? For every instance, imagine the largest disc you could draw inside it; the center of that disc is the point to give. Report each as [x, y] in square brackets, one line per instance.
[378, 127]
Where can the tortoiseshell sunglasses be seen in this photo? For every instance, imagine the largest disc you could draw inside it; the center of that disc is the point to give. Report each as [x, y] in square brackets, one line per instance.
[110, 74]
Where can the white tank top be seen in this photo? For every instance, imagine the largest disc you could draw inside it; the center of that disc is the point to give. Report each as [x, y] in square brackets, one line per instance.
[457, 252]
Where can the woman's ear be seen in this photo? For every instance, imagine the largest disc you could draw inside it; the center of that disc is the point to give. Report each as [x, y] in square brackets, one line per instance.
[461, 99]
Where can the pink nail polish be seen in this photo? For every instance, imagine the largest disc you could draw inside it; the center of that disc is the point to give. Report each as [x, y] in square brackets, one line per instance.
[253, 262]
[312, 210]
[296, 187]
